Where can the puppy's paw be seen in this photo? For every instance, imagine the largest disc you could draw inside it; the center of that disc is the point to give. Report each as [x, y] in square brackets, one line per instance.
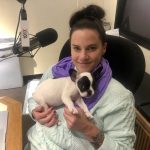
[88, 114]
[73, 110]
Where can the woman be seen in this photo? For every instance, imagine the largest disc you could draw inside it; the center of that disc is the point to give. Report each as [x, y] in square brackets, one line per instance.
[112, 105]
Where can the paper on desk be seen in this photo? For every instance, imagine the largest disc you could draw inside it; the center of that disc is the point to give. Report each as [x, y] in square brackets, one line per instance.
[3, 125]
[3, 107]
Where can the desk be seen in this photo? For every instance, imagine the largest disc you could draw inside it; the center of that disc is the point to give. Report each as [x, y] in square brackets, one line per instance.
[14, 128]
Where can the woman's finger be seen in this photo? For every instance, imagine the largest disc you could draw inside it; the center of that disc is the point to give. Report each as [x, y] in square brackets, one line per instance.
[52, 122]
[41, 115]
[48, 117]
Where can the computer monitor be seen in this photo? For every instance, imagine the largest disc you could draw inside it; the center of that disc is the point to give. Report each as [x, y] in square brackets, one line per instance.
[133, 20]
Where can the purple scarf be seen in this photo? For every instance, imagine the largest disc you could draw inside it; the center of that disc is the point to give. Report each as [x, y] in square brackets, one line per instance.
[102, 74]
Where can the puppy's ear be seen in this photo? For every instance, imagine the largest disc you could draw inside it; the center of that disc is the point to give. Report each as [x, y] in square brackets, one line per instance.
[73, 74]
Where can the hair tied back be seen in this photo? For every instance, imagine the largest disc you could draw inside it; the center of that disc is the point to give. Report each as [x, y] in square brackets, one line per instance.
[91, 12]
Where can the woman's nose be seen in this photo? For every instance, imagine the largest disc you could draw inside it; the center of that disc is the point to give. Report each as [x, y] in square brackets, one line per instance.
[83, 55]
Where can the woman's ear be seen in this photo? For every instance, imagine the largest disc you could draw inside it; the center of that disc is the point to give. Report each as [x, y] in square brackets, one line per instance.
[104, 47]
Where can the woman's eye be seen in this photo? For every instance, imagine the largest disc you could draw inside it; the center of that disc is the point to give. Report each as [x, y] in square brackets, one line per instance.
[76, 48]
[91, 48]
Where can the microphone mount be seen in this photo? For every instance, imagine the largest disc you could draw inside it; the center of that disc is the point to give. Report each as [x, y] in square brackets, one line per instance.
[41, 39]
[25, 50]
[21, 19]
[22, 1]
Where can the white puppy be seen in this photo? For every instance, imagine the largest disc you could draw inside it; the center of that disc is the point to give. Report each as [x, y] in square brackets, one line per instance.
[67, 90]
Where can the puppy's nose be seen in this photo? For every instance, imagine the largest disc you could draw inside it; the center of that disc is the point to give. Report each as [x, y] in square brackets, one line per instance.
[89, 93]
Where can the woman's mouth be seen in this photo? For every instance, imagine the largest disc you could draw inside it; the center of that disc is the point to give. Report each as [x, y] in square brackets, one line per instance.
[84, 63]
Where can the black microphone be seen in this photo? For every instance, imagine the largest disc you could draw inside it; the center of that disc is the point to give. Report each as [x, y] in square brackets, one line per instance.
[41, 39]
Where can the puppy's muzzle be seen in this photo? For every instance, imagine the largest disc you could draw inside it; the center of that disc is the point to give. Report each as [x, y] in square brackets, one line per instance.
[89, 93]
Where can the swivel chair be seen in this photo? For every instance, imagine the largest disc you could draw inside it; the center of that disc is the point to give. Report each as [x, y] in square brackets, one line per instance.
[127, 63]
[125, 58]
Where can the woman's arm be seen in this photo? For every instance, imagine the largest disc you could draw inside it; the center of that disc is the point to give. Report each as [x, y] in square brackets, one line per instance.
[80, 122]
[118, 131]
[119, 123]
[37, 113]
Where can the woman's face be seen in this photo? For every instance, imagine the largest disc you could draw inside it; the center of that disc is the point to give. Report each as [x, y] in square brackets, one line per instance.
[86, 49]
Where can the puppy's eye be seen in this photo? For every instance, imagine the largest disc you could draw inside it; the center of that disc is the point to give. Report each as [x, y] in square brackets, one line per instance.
[83, 88]
[83, 84]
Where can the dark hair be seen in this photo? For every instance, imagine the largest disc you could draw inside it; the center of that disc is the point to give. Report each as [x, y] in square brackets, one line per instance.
[89, 17]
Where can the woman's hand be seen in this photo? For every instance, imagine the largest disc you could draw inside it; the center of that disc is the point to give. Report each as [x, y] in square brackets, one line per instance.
[78, 122]
[81, 123]
[45, 117]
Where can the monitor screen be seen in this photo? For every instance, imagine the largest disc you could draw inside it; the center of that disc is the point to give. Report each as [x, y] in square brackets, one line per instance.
[133, 20]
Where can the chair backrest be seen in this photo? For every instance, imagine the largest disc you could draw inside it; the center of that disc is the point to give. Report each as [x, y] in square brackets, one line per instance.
[125, 58]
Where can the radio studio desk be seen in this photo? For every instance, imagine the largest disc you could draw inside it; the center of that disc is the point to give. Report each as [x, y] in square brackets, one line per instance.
[14, 123]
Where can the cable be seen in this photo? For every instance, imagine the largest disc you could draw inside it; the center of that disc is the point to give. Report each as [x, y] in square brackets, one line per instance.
[17, 28]
[8, 58]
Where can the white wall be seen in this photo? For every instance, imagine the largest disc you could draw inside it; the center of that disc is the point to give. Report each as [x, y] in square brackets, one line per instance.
[44, 14]
[147, 58]
[110, 9]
